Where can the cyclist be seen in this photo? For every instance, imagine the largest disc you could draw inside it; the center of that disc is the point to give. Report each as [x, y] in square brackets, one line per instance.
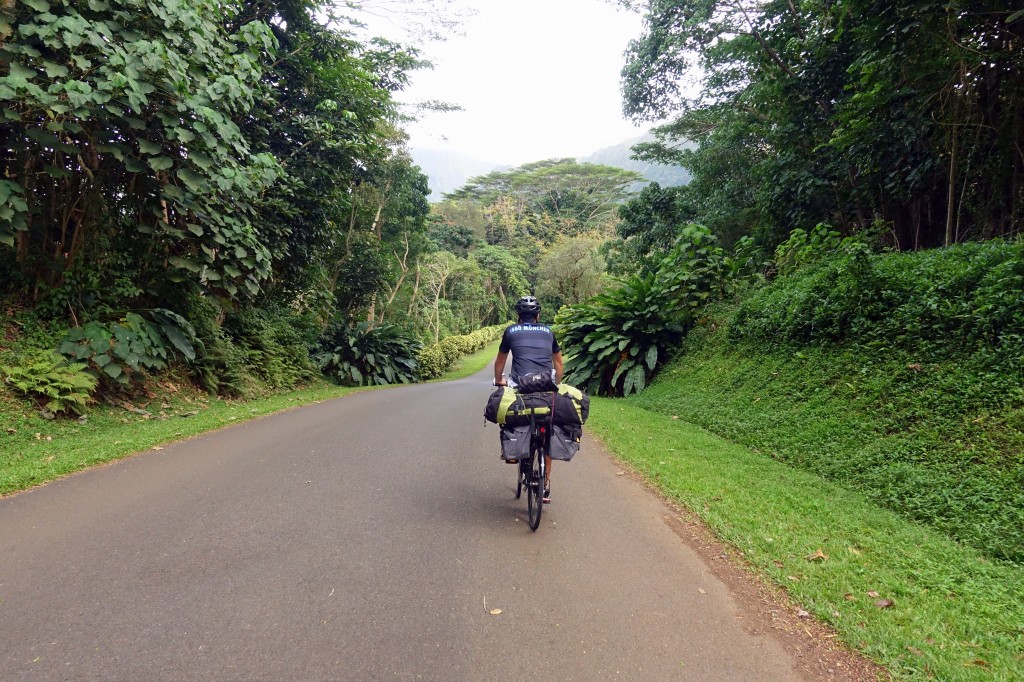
[534, 349]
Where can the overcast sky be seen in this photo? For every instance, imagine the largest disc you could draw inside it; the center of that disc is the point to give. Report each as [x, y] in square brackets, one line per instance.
[538, 79]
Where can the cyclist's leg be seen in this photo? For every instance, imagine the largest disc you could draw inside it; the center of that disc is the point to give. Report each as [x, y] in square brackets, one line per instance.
[547, 478]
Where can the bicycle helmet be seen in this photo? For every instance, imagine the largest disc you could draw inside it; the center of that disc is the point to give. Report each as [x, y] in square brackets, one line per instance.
[528, 306]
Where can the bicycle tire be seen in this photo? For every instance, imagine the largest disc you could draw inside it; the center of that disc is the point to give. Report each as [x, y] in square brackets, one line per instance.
[535, 487]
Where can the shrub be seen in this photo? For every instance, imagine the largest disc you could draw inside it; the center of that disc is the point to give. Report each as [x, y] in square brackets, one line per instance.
[52, 381]
[120, 350]
[438, 358]
[220, 365]
[616, 340]
[272, 345]
[361, 355]
[941, 302]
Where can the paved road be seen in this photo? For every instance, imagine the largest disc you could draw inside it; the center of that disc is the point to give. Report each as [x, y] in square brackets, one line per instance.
[365, 538]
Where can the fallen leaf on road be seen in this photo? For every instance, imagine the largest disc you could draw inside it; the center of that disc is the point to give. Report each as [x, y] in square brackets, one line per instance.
[495, 612]
[872, 594]
[802, 614]
[701, 590]
[885, 603]
[158, 448]
[849, 597]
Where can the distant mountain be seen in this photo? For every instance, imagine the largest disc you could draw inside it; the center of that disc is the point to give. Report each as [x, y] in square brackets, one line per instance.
[618, 157]
[447, 171]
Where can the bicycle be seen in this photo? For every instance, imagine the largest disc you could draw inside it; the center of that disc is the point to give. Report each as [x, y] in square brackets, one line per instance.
[532, 470]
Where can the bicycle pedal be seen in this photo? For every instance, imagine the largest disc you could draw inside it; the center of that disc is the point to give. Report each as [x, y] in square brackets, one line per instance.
[511, 461]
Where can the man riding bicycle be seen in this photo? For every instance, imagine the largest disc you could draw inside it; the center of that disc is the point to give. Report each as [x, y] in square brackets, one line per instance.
[534, 351]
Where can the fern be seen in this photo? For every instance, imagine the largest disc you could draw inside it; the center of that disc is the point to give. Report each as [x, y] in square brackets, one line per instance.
[53, 382]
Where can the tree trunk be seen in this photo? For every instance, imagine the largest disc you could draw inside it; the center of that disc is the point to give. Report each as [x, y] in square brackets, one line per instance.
[951, 189]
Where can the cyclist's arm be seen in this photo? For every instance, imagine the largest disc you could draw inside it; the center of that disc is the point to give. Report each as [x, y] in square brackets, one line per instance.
[499, 368]
[556, 360]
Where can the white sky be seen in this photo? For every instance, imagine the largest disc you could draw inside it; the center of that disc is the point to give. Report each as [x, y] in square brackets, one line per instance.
[538, 79]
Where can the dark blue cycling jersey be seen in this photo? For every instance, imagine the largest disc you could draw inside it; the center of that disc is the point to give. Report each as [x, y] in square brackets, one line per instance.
[532, 346]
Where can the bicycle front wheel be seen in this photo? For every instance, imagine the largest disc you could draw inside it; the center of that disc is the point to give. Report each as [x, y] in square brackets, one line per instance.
[535, 489]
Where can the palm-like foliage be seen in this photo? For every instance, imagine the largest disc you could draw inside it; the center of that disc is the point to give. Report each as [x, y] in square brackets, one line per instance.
[616, 339]
[361, 355]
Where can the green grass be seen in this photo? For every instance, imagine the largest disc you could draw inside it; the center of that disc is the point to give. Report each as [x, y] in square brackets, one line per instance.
[956, 615]
[938, 441]
[471, 364]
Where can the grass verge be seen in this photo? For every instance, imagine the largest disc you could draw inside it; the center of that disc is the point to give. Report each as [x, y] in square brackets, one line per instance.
[901, 593]
[34, 451]
[471, 364]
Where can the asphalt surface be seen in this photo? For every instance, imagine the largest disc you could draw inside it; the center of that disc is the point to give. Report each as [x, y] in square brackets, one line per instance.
[364, 538]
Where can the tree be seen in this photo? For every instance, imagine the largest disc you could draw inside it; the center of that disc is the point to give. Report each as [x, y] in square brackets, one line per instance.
[548, 198]
[504, 281]
[649, 224]
[332, 120]
[848, 112]
[439, 269]
[120, 132]
[571, 271]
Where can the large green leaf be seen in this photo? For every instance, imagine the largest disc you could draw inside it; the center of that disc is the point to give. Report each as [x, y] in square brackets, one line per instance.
[634, 380]
[151, 148]
[652, 357]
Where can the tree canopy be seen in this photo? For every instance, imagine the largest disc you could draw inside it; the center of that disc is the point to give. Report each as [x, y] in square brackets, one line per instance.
[851, 112]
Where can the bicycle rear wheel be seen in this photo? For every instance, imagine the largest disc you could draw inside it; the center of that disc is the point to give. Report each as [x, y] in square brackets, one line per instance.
[535, 488]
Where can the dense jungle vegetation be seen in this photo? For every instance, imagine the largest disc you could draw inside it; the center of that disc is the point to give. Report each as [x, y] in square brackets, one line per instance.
[221, 187]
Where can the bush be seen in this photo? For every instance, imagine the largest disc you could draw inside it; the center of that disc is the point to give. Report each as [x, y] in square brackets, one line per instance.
[616, 340]
[220, 365]
[271, 345]
[438, 358]
[118, 351]
[361, 355]
[52, 381]
[944, 302]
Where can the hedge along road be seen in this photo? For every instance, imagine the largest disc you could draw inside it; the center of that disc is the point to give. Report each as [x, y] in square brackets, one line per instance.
[375, 536]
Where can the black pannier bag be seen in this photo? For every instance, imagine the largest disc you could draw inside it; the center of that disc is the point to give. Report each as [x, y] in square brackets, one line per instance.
[572, 406]
[515, 442]
[565, 441]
